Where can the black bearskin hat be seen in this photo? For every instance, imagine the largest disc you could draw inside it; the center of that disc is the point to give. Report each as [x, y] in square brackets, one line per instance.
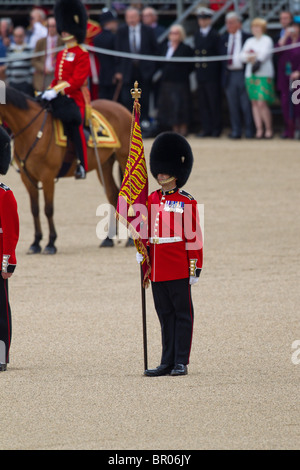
[71, 17]
[172, 155]
[5, 151]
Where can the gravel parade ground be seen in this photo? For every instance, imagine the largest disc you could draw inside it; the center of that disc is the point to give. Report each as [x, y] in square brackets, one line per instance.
[75, 378]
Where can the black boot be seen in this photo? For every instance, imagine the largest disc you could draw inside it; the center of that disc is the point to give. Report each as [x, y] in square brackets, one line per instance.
[179, 369]
[163, 369]
[80, 173]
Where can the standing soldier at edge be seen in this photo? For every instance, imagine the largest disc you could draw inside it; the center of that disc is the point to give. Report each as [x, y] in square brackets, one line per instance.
[9, 236]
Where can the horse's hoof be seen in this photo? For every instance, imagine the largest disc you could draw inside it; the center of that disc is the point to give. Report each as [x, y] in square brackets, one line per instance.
[129, 242]
[107, 243]
[34, 250]
[49, 250]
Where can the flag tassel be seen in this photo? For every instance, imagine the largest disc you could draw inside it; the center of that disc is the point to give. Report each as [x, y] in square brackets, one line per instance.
[131, 212]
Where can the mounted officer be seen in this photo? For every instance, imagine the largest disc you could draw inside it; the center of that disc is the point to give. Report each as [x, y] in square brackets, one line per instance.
[71, 74]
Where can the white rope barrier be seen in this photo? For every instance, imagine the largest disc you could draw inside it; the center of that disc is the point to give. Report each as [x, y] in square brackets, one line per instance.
[155, 58]
[27, 56]
[129, 55]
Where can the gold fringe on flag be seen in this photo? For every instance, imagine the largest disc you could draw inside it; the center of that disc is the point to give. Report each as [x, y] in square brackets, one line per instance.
[136, 93]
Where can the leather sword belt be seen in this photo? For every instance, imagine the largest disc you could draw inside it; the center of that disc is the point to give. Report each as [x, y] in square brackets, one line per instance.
[160, 240]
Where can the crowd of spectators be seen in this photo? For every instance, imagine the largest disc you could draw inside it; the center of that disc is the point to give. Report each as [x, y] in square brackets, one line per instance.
[246, 84]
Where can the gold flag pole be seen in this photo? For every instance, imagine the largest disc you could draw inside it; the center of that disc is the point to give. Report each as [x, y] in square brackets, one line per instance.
[136, 93]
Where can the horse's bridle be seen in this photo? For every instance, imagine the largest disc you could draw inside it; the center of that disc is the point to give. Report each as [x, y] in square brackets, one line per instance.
[39, 135]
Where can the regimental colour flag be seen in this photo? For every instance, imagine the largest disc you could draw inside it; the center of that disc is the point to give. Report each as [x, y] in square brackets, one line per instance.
[132, 207]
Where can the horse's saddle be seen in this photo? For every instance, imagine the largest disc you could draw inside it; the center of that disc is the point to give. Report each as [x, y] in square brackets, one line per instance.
[103, 132]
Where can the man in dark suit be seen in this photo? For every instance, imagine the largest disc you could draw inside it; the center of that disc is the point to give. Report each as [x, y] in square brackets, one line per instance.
[150, 18]
[136, 38]
[208, 75]
[106, 40]
[233, 78]
[285, 20]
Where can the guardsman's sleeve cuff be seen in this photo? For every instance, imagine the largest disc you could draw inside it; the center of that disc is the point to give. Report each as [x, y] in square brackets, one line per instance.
[194, 271]
[6, 267]
[60, 87]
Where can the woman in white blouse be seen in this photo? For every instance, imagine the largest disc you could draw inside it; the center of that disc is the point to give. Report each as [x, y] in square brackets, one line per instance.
[259, 75]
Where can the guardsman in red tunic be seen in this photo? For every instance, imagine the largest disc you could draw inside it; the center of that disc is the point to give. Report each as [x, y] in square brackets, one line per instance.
[176, 250]
[72, 69]
[9, 235]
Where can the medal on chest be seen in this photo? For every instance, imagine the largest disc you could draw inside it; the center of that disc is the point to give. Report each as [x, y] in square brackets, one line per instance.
[174, 206]
[70, 57]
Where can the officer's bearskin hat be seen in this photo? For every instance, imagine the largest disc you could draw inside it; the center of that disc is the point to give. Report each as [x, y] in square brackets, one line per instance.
[5, 151]
[172, 155]
[71, 17]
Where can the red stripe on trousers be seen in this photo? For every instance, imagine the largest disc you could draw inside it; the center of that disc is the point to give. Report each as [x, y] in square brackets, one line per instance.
[7, 314]
[190, 301]
[82, 136]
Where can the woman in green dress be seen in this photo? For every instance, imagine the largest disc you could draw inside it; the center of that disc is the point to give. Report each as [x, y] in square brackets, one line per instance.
[259, 76]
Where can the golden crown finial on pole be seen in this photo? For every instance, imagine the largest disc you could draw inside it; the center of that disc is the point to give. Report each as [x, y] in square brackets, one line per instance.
[136, 92]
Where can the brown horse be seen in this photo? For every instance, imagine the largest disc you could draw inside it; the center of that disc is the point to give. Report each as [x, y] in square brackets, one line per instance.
[40, 159]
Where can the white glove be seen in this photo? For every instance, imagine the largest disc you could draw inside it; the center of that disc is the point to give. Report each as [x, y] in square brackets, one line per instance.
[49, 95]
[193, 280]
[139, 257]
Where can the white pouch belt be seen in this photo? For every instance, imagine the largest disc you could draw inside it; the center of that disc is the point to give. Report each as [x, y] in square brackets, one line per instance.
[160, 240]
[1, 231]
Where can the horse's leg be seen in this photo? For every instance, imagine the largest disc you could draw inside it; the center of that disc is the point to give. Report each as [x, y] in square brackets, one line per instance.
[48, 187]
[112, 196]
[35, 210]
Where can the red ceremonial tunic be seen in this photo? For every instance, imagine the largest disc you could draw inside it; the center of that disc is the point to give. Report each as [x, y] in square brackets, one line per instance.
[9, 228]
[175, 239]
[72, 66]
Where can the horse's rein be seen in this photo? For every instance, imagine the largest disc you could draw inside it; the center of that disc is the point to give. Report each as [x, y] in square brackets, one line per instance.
[39, 135]
[14, 136]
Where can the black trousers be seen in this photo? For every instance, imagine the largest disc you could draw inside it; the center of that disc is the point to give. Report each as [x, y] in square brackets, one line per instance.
[5, 321]
[73, 133]
[239, 104]
[210, 109]
[174, 307]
